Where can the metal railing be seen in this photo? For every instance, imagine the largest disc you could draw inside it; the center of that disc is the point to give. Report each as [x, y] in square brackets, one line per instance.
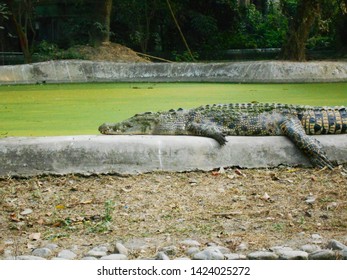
[10, 58]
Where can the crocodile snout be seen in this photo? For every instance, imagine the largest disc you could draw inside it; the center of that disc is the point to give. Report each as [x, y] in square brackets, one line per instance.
[105, 128]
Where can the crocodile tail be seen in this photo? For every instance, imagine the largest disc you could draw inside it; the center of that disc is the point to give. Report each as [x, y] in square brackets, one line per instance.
[324, 120]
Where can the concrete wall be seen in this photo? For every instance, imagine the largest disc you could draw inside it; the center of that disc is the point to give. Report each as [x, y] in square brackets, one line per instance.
[136, 154]
[73, 71]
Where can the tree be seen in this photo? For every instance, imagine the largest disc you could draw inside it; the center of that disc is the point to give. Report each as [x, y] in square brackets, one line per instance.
[294, 47]
[311, 17]
[141, 22]
[21, 15]
[341, 26]
[102, 19]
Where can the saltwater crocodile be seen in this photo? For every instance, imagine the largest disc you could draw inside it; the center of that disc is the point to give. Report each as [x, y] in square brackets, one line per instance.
[253, 119]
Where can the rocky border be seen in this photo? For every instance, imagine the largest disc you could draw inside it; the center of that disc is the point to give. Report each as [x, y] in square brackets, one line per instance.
[189, 249]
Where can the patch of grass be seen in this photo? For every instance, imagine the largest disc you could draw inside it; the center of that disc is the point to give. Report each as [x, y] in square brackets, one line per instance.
[75, 109]
[278, 226]
[55, 236]
[105, 223]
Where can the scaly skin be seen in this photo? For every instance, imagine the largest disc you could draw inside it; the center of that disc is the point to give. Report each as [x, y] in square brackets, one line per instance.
[217, 121]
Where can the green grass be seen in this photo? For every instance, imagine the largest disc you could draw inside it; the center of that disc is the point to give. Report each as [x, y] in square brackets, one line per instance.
[73, 109]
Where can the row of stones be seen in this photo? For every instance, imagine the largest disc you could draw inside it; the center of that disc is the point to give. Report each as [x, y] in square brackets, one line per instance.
[332, 251]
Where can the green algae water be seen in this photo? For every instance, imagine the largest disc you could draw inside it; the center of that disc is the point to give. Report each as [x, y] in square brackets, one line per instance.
[75, 109]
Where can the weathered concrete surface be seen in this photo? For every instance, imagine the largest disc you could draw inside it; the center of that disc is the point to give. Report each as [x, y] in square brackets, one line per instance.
[136, 154]
[73, 71]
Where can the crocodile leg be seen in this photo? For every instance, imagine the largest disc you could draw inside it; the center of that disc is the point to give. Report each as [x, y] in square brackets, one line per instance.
[292, 128]
[207, 130]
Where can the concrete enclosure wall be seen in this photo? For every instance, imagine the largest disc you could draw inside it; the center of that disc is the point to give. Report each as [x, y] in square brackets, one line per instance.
[136, 154]
[73, 71]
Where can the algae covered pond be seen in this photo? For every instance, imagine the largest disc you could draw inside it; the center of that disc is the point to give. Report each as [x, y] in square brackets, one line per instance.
[74, 109]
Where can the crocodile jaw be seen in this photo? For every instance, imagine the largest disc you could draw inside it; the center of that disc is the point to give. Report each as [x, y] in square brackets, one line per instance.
[125, 128]
[108, 128]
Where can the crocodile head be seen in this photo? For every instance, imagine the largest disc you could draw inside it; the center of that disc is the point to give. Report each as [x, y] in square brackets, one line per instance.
[170, 122]
[139, 124]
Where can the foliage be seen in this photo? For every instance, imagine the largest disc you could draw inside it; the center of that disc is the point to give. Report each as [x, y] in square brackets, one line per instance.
[257, 30]
[75, 31]
[51, 51]
[4, 13]
[147, 26]
[185, 56]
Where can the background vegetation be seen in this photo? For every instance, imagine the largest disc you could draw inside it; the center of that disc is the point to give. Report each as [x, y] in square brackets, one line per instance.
[175, 29]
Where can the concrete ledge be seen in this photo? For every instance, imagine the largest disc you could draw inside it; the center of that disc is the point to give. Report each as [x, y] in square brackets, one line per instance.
[75, 71]
[136, 154]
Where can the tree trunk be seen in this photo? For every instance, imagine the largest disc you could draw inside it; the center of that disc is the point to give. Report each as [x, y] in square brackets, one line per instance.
[294, 47]
[23, 39]
[102, 20]
[244, 3]
[107, 23]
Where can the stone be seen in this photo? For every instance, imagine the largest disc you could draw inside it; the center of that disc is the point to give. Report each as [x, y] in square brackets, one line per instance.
[29, 257]
[279, 249]
[322, 255]
[223, 250]
[209, 254]
[121, 249]
[26, 211]
[42, 252]
[235, 256]
[74, 248]
[310, 248]
[293, 255]
[344, 254]
[336, 245]
[161, 256]
[310, 199]
[118, 257]
[99, 251]
[8, 253]
[67, 254]
[242, 247]
[262, 255]
[316, 239]
[193, 182]
[136, 244]
[192, 250]
[52, 246]
[190, 243]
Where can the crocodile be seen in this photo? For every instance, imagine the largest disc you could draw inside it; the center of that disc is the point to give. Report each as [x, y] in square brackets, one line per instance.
[217, 121]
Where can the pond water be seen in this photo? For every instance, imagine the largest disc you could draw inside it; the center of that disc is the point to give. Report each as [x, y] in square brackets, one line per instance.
[75, 109]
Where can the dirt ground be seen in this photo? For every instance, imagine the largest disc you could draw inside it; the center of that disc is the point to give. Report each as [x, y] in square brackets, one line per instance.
[261, 208]
[109, 52]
